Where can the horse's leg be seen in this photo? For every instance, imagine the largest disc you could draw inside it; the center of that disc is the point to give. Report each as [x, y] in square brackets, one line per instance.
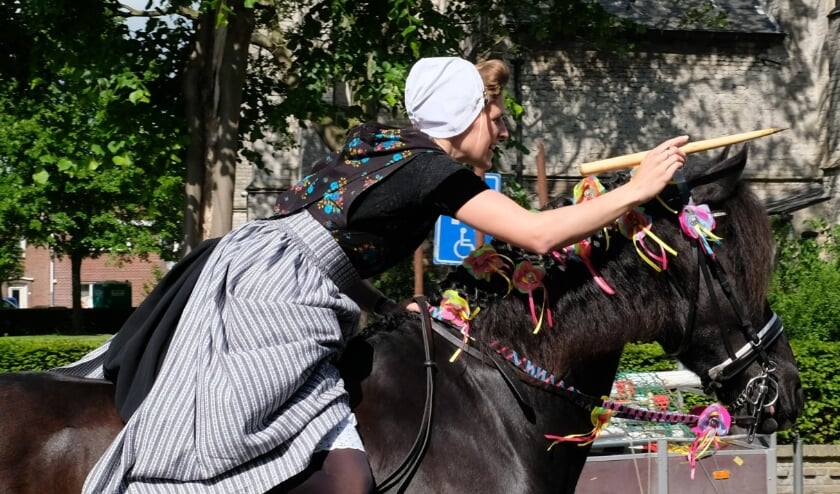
[52, 431]
[338, 470]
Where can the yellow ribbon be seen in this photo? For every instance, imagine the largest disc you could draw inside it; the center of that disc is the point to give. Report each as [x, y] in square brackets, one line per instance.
[600, 417]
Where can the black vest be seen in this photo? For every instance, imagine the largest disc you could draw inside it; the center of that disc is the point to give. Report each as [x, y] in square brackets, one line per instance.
[371, 153]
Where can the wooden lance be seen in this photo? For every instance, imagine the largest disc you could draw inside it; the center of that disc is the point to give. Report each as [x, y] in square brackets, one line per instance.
[631, 160]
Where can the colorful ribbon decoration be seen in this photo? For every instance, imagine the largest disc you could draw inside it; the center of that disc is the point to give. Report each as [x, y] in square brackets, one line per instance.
[484, 262]
[581, 251]
[528, 277]
[456, 310]
[636, 226]
[588, 188]
[561, 256]
[712, 423]
[697, 221]
[600, 418]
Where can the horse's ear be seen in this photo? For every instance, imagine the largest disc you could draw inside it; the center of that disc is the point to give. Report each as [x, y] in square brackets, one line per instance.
[723, 154]
[715, 181]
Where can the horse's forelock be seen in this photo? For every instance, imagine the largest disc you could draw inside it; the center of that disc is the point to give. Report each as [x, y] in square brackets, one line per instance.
[715, 181]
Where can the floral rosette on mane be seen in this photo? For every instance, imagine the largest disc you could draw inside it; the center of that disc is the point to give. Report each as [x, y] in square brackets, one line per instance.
[487, 274]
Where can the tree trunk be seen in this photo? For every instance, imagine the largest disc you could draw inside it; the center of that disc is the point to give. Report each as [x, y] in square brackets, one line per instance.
[76, 316]
[214, 82]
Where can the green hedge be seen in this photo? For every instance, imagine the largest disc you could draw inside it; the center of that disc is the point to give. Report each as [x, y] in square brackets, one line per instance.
[24, 353]
[805, 290]
[819, 368]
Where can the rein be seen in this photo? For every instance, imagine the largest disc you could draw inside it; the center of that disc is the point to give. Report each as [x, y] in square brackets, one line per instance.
[403, 474]
[761, 391]
[536, 377]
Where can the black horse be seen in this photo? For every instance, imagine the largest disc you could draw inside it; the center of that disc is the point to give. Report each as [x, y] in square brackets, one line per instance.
[481, 422]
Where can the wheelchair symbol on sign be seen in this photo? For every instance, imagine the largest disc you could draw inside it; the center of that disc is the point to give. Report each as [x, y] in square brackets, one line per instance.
[464, 245]
[455, 241]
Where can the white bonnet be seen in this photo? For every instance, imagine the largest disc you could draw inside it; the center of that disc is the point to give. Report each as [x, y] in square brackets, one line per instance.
[443, 95]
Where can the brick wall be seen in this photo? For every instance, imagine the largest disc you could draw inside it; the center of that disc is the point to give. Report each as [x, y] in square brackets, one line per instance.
[586, 105]
[832, 116]
[821, 469]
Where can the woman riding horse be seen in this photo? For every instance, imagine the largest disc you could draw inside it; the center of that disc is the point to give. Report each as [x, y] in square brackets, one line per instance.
[235, 389]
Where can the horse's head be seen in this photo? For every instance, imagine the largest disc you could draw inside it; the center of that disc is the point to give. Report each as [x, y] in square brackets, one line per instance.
[729, 334]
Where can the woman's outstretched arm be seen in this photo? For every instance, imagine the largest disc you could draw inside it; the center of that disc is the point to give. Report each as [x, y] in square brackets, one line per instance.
[541, 232]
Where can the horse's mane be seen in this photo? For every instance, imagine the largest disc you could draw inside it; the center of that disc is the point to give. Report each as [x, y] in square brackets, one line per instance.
[587, 321]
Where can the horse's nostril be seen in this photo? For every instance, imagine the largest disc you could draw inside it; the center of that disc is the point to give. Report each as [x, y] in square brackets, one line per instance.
[769, 426]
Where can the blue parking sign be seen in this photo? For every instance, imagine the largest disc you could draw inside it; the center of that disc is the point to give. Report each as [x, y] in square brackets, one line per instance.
[455, 240]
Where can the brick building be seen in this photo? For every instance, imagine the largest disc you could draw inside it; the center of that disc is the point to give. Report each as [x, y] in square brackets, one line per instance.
[35, 288]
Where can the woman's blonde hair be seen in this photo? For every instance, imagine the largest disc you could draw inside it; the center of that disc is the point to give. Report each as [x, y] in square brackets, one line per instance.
[495, 74]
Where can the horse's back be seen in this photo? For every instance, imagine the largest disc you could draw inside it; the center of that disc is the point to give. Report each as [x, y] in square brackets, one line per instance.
[53, 430]
[480, 438]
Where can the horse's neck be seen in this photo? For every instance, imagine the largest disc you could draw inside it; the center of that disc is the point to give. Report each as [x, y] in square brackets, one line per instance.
[577, 334]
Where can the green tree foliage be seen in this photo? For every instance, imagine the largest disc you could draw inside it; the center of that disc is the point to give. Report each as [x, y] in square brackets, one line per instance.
[93, 128]
[818, 363]
[805, 292]
[90, 154]
[805, 289]
[73, 73]
[10, 259]
[11, 255]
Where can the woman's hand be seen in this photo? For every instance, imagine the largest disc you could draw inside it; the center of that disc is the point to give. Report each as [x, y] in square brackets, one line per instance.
[387, 306]
[658, 167]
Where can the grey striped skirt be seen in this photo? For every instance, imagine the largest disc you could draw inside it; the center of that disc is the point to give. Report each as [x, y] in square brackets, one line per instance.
[247, 390]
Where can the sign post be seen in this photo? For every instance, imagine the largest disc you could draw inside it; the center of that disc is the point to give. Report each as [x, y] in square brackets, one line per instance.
[455, 240]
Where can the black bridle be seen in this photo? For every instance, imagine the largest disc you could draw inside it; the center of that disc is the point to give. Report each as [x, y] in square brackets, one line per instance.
[761, 391]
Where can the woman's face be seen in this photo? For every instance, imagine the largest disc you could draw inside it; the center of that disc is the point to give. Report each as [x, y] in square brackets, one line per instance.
[475, 145]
